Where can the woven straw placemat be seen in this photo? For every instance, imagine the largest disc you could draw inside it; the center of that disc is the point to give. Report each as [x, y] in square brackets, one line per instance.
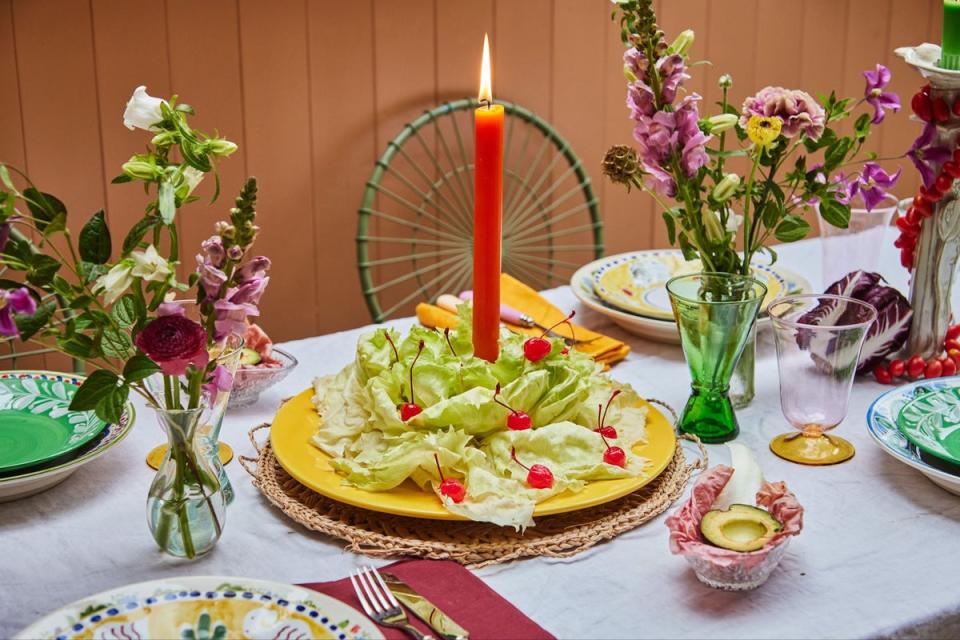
[474, 544]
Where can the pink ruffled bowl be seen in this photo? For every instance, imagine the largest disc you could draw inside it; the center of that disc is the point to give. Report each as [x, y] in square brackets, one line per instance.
[722, 568]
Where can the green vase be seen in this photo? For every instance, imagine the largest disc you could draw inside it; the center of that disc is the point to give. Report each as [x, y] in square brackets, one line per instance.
[715, 313]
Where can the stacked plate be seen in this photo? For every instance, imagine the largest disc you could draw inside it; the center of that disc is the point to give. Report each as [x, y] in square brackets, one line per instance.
[630, 289]
[919, 424]
[42, 442]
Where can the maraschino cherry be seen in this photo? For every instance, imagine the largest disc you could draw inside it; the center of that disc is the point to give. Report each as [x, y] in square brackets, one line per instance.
[450, 487]
[606, 431]
[517, 420]
[536, 349]
[538, 476]
[613, 455]
[410, 409]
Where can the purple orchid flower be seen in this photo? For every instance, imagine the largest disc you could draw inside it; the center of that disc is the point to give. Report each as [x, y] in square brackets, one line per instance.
[928, 157]
[220, 380]
[874, 183]
[14, 301]
[874, 94]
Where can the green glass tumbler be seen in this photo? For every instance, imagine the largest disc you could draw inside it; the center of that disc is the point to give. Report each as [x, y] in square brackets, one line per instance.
[715, 313]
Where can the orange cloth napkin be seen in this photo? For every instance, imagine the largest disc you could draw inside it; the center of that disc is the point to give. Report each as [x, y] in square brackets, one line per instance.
[604, 349]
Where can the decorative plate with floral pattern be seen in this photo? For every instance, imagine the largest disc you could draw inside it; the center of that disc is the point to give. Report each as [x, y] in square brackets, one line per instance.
[213, 608]
[36, 424]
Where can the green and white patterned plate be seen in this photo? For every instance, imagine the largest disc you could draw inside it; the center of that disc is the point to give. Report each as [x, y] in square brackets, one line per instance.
[36, 424]
[932, 422]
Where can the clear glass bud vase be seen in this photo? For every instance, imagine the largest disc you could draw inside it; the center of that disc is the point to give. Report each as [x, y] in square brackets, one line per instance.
[742, 388]
[186, 506]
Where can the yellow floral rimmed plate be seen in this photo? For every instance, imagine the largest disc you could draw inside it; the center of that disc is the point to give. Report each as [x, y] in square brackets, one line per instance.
[636, 282]
[297, 420]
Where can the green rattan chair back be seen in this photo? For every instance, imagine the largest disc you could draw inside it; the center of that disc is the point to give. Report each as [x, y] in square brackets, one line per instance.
[415, 235]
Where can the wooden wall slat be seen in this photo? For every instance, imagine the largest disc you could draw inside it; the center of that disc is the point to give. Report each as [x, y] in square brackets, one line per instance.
[343, 145]
[276, 99]
[210, 81]
[118, 74]
[313, 91]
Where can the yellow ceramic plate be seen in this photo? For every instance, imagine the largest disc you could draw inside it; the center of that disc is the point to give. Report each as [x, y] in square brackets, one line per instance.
[636, 282]
[297, 420]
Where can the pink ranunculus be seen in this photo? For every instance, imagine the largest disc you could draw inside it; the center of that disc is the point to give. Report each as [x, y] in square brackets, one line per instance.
[798, 110]
[174, 342]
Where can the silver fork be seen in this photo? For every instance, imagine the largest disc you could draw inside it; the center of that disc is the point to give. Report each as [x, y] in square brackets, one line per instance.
[379, 603]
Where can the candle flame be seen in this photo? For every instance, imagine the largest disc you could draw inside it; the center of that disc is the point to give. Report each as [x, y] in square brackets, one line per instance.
[486, 86]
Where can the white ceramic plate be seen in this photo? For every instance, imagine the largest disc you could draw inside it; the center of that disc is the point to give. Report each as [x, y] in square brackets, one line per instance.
[882, 424]
[205, 607]
[650, 328]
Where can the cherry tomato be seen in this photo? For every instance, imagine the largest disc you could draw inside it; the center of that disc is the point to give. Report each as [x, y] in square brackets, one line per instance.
[934, 369]
[951, 343]
[949, 366]
[882, 374]
[953, 332]
[944, 182]
[897, 368]
[915, 367]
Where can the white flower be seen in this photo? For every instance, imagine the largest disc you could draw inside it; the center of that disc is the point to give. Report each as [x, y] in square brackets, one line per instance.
[113, 283]
[150, 265]
[734, 220]
[143, 111]
[191, 178]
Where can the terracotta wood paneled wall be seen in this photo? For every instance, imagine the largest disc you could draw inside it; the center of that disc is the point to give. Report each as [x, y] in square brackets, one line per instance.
[312, 90]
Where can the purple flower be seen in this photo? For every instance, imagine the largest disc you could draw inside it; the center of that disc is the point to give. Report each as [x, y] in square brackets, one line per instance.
[694, 153]
[211, 278]
[171, 309]
[231, 317]
[256, 268]
[14, 301]
[220, 380]
[797, 109]
[927, 156]
[213, 246]
[641, 100]
[673, 71]
[874, 183]
[667, 137]
[847, 188]
[248, 292]
[874, 93]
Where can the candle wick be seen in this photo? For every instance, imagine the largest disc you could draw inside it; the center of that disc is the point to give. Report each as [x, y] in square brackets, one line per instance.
[486, 102]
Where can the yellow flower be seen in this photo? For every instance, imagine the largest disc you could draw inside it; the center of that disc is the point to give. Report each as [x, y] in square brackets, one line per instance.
[763, 131]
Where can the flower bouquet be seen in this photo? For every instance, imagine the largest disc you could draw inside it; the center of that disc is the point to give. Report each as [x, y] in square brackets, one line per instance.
[730, 183]
[142, 330]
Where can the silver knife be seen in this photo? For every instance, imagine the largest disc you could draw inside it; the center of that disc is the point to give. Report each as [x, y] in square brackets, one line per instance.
[436, 619]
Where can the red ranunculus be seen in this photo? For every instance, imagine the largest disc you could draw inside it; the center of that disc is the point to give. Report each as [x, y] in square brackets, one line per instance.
[174, 342]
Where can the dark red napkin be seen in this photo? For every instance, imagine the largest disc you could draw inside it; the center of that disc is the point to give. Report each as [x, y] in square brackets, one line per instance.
[460, 594]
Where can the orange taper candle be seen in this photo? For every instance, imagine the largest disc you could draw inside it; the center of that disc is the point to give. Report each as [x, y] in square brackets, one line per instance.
[487, 217]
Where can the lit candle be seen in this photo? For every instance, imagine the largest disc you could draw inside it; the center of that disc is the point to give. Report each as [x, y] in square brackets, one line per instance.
[487, 217]
[950, 42]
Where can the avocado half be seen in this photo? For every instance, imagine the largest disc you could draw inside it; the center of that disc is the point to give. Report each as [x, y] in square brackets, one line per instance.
[249, 357]
[739, 528]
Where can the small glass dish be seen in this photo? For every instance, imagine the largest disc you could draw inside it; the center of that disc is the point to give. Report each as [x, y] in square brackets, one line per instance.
[250, 382]
[722, 568]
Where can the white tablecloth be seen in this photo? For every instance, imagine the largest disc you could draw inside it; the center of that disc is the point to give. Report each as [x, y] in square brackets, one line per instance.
[878, 556]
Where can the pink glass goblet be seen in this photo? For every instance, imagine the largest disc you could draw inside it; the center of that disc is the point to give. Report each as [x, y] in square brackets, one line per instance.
[818, 340]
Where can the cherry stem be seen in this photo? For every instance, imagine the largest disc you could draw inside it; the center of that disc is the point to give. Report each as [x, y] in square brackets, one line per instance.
[446, 334]
[396, 354]
[413, 399]
[565, 320]
[503, 404]
[436, 458]
[613, 395]
[600, 426]
[513, 454]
